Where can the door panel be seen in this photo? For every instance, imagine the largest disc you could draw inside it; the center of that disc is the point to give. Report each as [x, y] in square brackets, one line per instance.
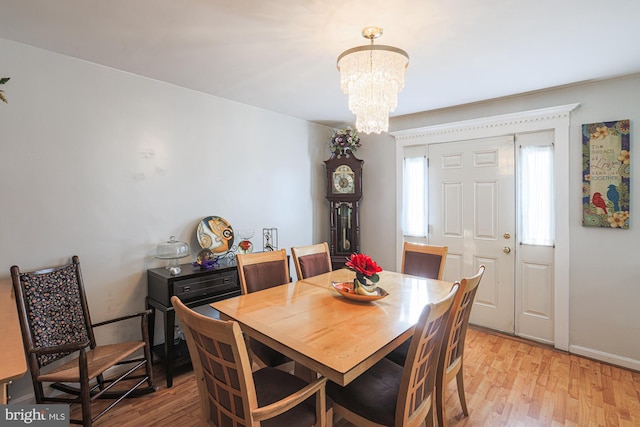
[488, 295]
[536, 290]
[452, 209]
[486, 208]
[534, 303]
[471, 209]
[535, 270]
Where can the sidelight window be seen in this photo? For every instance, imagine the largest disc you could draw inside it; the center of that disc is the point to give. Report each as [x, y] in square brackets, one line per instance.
[414, 196]
[536, 195]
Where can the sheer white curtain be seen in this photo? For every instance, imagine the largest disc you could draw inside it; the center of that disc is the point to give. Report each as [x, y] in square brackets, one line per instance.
[414, 205]
[536, 195]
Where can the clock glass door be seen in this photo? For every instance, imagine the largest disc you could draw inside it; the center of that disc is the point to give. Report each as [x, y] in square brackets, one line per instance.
[344, 227]
[343, 180]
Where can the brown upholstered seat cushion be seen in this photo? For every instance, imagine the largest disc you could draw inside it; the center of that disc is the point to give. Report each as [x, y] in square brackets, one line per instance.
[266, 354]
[399, 355]
[421, 264]
[265, 275]
[314, 264]
[373, 394]
[272, 385]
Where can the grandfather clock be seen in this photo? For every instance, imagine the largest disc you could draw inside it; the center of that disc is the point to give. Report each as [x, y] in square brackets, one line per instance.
[344, 191]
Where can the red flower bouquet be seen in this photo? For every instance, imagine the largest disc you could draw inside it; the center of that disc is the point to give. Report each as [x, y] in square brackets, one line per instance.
[364, 267]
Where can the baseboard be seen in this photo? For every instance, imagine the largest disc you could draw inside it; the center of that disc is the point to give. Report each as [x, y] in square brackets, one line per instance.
[613, 359]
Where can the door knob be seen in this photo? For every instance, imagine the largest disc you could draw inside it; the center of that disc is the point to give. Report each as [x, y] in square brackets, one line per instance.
[506, 235]
[506, 249]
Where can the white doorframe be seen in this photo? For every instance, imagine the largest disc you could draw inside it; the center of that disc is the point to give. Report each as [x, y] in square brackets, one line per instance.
[557, 118]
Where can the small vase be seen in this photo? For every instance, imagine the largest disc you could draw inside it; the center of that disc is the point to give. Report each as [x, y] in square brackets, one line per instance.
[245, 246]
[364, 288]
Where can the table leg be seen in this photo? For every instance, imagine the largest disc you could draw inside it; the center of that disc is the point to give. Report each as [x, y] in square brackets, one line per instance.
[4, 393]
[169, 325]
[151, 325]
[305, 373]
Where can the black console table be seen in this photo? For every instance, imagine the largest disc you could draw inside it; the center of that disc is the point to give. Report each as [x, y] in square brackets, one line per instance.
[195, 286]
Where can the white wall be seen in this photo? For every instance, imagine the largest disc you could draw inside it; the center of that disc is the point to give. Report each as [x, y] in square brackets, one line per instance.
[377, 207]
[604, 267]
[105, 165]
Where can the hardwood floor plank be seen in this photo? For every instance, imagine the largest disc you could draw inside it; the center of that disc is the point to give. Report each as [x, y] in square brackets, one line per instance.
[508, 382]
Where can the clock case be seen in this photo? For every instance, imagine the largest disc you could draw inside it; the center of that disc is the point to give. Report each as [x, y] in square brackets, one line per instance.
[344, 210]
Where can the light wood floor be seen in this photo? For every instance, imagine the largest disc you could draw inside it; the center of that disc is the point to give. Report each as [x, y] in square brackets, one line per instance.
[508, 382]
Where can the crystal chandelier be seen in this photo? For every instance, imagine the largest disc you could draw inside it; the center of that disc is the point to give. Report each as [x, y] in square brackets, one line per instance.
[372, 75]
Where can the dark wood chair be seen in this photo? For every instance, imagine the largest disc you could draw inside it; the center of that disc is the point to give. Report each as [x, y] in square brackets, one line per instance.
[258, 271]
[55, 323]
[452, 351]
[311, 260]
[231, 395]
[425, 261]
[388, 394]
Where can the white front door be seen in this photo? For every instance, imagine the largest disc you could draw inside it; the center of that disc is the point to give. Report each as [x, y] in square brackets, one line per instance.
[472, 211]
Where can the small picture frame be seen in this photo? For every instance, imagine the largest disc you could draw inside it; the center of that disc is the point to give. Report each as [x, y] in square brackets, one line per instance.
[270, 239]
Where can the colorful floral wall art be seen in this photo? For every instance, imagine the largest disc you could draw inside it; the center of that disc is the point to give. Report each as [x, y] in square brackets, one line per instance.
[606, 172]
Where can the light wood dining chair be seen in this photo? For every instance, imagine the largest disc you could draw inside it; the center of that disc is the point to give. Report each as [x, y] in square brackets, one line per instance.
[232, 395]
[388, 394]
[258, 271]
[311, 260]
[451, 354]
[424, 260]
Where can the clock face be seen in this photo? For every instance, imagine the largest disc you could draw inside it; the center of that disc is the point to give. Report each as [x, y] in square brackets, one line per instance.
[343, 180]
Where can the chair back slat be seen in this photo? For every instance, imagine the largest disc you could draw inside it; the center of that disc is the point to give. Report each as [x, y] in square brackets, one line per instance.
[458, 322]
[451, 362]
[221, 378]
[221, 365]
[418, 379]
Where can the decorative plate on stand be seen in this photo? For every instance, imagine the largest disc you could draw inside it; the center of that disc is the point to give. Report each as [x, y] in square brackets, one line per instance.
[215, 233]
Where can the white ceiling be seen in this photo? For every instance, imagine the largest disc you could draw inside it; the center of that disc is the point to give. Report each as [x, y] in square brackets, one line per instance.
[281, 54]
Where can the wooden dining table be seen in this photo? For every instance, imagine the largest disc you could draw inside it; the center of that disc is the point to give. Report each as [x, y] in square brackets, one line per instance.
[13, 364]
[318, 328]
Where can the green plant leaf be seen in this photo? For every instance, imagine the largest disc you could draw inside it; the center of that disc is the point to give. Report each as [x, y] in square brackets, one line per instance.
[3, 80]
